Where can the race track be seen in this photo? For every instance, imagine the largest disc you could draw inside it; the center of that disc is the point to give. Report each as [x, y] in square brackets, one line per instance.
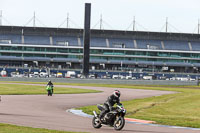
[41, 111]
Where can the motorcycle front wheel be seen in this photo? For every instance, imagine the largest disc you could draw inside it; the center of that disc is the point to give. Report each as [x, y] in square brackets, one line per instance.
[119, 123]
[96, 123]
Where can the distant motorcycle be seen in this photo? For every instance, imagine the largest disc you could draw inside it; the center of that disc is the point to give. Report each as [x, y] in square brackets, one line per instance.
[49, 89]
[114, 118]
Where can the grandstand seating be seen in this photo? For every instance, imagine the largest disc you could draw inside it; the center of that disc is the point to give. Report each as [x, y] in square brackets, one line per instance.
[127, 50]
[36, 39]
[98, 42]
[176, 45]
[149, 44]
[12, 37]
[65, 40]
[116, 43]
[195, 46]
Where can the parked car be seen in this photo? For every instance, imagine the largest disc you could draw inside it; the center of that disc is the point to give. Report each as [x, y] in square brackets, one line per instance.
[59, 75]
[36, 74]
[147, 77]
[192, 79]
[31, 75]
[53, 75]
[70, 74]
[3, 73]
[134, 78]
[115, 76]
[14, 74]
[92, 76]
[44, 75]
[128, 77]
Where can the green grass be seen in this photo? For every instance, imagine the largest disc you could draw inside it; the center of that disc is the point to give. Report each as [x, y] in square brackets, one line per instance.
[179, 109]
[7, 128]
[105, 85]
[16, 89]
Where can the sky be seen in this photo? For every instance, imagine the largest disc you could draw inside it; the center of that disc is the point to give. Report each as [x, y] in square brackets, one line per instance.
[150, 15]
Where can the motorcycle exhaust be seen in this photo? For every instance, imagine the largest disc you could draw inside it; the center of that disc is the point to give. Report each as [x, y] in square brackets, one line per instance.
[95, 114]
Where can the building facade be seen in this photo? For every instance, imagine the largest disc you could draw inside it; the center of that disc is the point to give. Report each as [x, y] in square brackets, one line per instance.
[110, 50]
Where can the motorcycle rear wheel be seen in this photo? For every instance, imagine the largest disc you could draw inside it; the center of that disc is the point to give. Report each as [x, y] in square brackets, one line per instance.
[96, 123]
[119, 124]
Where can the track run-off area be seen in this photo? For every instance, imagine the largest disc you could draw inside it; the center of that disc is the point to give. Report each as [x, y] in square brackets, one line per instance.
[41, 111]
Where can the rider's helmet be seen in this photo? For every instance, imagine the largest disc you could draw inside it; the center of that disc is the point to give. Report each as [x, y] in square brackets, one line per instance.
[117, 93]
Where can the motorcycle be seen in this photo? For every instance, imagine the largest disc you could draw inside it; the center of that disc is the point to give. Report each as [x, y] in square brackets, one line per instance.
[114, 118]
[49, 89]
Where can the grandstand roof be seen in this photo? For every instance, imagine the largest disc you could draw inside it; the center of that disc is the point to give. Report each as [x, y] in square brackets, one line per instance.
[99, 33]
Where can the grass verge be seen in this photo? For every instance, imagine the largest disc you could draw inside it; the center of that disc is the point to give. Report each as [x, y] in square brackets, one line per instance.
[7, 128]
[17, 89]
[179, 109]
[105, 85]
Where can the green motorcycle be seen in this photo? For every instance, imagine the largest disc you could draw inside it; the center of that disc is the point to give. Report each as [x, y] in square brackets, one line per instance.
[49, 89]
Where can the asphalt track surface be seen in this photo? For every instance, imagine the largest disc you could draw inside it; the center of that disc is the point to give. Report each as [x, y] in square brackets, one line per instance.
[41, 111]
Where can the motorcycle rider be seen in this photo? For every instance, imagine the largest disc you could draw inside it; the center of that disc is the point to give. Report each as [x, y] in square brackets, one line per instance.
[50, 92]
[110, 102]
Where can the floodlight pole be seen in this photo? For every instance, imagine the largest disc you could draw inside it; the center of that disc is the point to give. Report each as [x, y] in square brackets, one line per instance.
[67, 20]
[34, 19]
[101, 22]
[134, 23]
[166, 24]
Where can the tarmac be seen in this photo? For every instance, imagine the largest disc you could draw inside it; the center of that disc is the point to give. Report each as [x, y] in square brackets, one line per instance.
[41, 111]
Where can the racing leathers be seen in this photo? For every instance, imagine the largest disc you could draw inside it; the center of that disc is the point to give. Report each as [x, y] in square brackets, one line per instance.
[108, 105]
[50, 92]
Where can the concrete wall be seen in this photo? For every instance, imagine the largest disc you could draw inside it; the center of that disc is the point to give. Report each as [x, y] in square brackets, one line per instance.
[103, 81]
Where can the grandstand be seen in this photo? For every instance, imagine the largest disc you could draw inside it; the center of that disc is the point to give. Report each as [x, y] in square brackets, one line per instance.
[110, 49]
